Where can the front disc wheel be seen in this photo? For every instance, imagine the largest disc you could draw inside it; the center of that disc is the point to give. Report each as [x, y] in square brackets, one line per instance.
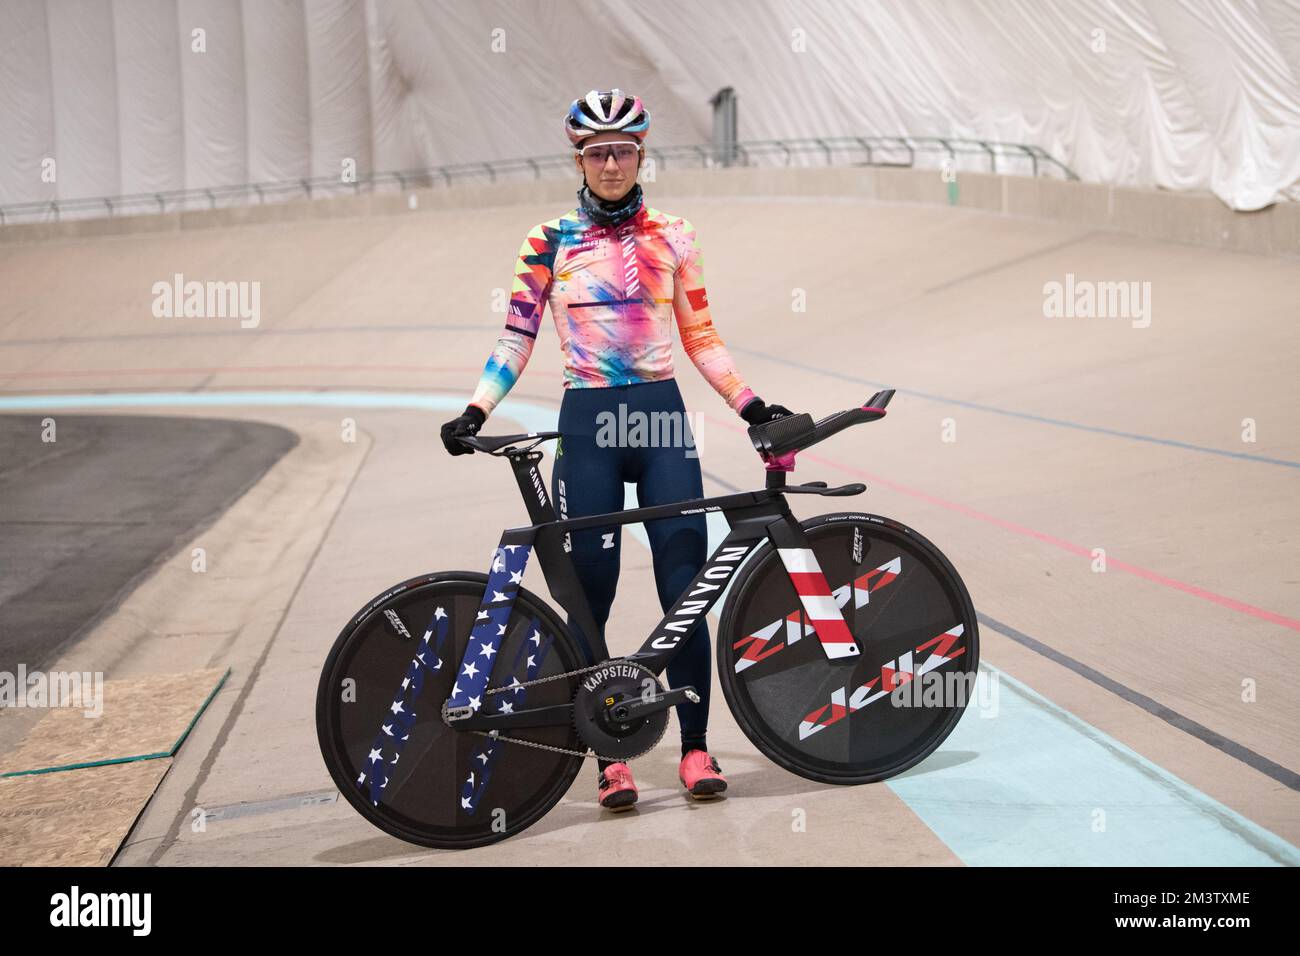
[870, 716]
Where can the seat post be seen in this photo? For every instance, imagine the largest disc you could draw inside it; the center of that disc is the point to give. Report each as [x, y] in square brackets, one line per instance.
[531, 486]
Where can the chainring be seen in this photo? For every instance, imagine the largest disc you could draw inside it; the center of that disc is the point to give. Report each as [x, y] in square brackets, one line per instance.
[601, 731]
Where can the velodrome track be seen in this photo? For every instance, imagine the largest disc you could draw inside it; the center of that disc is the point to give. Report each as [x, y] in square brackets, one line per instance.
[1143, 715]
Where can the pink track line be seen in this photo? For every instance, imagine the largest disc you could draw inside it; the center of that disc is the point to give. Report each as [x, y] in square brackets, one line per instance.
[1146, 574]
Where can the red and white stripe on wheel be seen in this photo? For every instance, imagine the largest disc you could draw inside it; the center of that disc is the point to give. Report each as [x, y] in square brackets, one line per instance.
[758, 646]
[818, 603]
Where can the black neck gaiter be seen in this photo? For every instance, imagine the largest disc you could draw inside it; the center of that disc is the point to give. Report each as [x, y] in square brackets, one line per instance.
[607, 213]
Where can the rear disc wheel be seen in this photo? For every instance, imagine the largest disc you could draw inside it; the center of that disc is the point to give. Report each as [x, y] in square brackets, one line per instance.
[446, 788]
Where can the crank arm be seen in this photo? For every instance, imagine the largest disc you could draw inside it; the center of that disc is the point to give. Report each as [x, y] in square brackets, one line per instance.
[634, 707]
[464, 718]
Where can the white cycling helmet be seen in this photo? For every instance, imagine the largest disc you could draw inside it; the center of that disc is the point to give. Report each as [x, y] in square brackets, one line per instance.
[606, 111]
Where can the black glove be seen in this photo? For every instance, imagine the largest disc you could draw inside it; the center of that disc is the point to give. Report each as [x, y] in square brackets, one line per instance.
[466, 424]
[756, 412]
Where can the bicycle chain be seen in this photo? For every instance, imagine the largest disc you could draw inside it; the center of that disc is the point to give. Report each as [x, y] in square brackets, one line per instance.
[496, 735]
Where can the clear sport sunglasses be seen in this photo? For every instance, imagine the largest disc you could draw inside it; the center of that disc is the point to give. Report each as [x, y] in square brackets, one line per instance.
[624, 154]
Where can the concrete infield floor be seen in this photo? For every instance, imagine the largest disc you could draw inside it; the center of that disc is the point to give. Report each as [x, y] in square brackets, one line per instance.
[1124, 733]
[138, 488]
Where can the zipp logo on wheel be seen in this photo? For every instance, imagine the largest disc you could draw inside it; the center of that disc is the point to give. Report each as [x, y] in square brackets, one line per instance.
[785, 631]
[395, 620]
[892, 675]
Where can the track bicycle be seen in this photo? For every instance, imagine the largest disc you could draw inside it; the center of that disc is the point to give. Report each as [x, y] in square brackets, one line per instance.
[456, 708]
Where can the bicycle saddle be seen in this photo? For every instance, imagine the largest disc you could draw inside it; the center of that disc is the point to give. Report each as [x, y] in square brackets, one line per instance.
[494, 443]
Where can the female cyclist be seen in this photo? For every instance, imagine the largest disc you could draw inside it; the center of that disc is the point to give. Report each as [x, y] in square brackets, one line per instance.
[614, 273]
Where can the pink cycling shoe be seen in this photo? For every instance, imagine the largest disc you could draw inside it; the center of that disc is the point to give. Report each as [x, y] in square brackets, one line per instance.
[701, 775]
[616, 790]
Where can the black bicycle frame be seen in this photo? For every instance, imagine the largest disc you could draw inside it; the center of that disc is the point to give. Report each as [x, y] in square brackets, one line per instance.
[752, 516]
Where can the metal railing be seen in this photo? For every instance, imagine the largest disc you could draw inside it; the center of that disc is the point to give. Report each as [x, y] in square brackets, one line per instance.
[887, 151]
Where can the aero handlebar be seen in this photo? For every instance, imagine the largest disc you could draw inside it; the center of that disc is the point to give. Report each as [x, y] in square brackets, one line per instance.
[798, 432]
[771, 439]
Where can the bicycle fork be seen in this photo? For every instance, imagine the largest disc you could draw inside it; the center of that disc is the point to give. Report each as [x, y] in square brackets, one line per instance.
[814, 590]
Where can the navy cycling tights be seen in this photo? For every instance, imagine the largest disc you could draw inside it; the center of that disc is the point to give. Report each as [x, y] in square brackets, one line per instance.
[590, 469]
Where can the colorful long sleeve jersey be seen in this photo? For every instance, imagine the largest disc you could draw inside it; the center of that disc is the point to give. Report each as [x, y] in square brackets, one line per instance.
[613, 291]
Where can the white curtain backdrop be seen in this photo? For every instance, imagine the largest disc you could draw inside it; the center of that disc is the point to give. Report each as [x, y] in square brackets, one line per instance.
[1179, 94]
